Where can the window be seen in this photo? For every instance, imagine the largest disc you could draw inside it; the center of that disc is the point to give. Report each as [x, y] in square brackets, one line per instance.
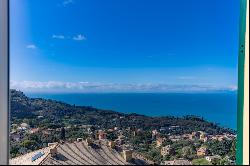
[124, 82]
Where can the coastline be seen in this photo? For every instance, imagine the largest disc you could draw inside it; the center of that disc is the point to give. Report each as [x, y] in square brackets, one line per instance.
[155, 105]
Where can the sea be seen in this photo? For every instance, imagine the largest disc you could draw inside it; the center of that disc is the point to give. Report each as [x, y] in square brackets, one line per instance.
[219, 108]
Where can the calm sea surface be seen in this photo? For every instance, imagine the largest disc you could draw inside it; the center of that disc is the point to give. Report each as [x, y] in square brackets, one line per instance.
[219, 108]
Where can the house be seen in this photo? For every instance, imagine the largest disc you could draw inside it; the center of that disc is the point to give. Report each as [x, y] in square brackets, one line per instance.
[46, 132]
[24, 125]
[230, 136]
[174, 138]
[194, 135]
[22, 129]
[167, 150]
[14, 126]
[159, 141]
[221, 138]
[34, 130]
[205, 139]
[218, 138]
[102, 135]
[16, 137]
[202, 135]
[154, 134]
[202, 151]
[213, 158]
[177, 162]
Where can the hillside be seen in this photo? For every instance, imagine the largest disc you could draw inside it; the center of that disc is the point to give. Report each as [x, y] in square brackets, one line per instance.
[36, 122]
[58, 114]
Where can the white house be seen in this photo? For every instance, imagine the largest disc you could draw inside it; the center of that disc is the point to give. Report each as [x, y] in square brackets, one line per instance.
[212, 158]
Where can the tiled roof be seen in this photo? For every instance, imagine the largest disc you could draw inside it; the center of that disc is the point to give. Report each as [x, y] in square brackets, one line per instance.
[77, 153]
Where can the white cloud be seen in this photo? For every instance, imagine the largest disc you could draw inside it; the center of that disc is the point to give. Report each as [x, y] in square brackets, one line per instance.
[79, 37]
[112, 87]
[31, 46]
[186, 77]
[58, 37]
[67, 2]
[233, 87]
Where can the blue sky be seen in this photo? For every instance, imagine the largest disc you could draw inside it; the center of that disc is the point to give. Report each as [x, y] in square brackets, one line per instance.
[124, 45]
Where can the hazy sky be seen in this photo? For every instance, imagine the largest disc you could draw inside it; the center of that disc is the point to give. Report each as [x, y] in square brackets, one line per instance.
[124, 45]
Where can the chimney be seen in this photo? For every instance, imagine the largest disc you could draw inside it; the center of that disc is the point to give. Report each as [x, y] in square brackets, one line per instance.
[112, 144]
[52, 144]
[127, 154]
[79, 139]
[89, 141]
[53, 152]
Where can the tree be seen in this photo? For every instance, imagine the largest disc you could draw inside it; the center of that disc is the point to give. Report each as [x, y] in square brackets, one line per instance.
[29, 144]
[233, 149]
[62, 134]
[221, 147]
[188, 152]
[201, 162]
[155, 155]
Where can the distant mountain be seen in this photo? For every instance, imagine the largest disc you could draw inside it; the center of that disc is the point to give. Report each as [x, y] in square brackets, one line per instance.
[58, 114]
